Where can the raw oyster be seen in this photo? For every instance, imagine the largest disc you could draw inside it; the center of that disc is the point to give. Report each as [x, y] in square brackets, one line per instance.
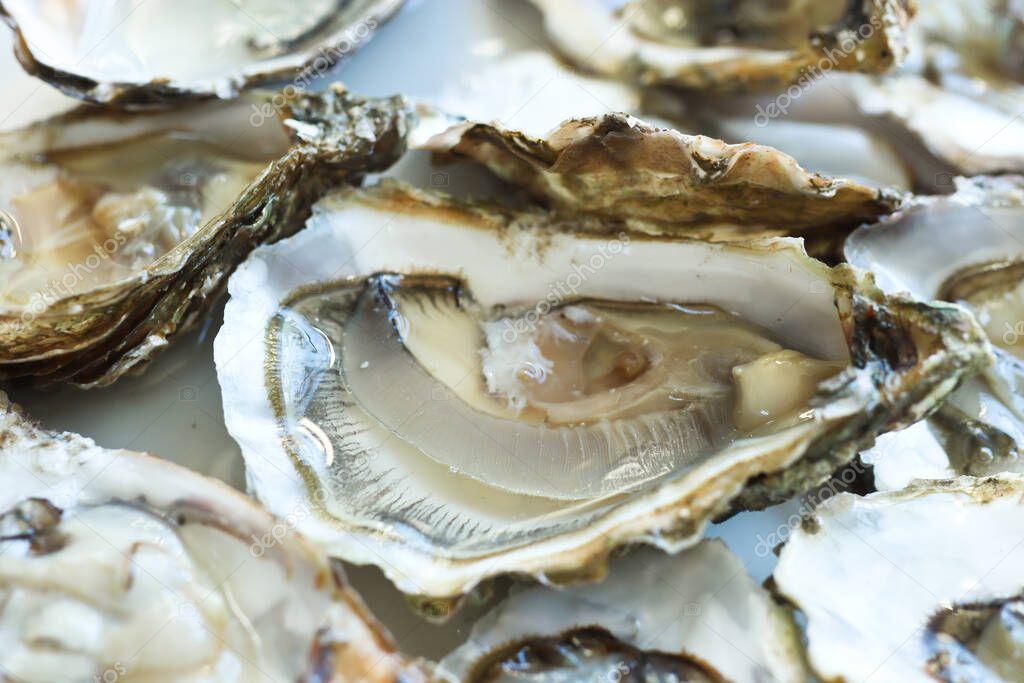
[116, 564]
[968, 248]
[118, 231]
[737, 45]
[130, 54]
[399, 384]
[661, 181]
[961, 90]
[922, 584]
[697, 615]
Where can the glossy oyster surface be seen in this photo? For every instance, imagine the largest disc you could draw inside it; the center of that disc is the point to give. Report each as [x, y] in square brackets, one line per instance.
[965, 248]
[921, 584]
[696, 615]
[737, 45]
[461, 391]
[116, 564]
[656, 179]
[118, 232]
[964, 66]
[130, 54]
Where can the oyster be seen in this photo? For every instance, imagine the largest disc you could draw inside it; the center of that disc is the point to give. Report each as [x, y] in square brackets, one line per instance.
[655, 616]
[922, 584]
[967, 248]
[965, 66]
[661, 181]
[736, 45]
[118, 232]
[118, 564]
[464, 392]
[129, 54]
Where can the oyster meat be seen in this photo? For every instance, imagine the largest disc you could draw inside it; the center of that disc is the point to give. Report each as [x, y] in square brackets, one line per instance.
[736, 45]
[966, 248]
[656, 617]
[116, 564]
[921, 584]
[463, 391]
[117, 232]
[130, 54]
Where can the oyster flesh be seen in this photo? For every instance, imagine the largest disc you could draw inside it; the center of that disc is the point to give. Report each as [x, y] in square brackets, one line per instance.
[657, 617]
[118, 232]
[967, 248]
[462, 391]
[921, 584]
[129, 54]
[735, 45]
[118, 564]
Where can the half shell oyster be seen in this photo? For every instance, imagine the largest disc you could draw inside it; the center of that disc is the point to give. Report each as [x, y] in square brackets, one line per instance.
[390, 365]
[696, 616]
[922, 584]
[118, 564]
[130, 54]
[118, 231]
[736, 45]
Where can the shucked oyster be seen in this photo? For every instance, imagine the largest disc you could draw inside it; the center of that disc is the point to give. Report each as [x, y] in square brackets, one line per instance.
[922, 584]
[118, 232]
[463, 392]
[658, 180]
[118, 565]
[966, 248]
[961, 89]
[131, 54]
[735, 45]
[696, 617]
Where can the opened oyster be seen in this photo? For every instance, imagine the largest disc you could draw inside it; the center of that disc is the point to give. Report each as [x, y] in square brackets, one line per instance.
[117, 564]
[735, 45]
[965, 66]
[118, 232]
[130, 54]
[966, 248]
[697, 616]
[922, 584]
[462, 392]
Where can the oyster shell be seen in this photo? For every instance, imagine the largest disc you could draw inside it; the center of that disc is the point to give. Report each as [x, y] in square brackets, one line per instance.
[965, 66]
[656, 615]
[727, 46]
[912, 585]
[130, 55]
[118, 564]
[967, 248]
[118, 232]
[661, 181]
[468, 470]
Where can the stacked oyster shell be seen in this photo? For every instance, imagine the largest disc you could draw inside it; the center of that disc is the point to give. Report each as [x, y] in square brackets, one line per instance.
[646, 330]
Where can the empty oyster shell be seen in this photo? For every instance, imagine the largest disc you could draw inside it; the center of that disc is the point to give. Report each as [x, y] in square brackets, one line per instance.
[655, 615]
[390, 366]
[118, 231]
[661, 181]
[922, 584]
[118, 564]
[965, 66]
[736, 45]
[130, 54]
[966, 248]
